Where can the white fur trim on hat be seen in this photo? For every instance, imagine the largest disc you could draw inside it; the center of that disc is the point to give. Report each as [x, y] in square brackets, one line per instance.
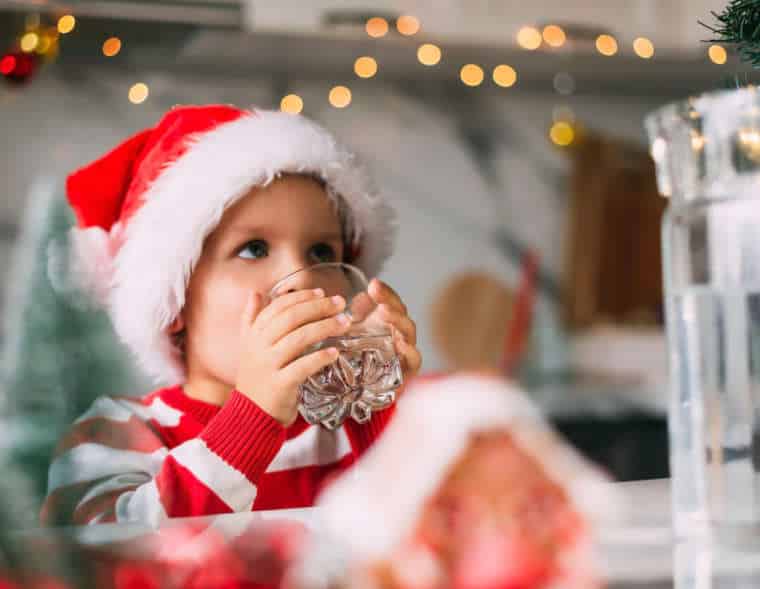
[163, 241]
[373, 509]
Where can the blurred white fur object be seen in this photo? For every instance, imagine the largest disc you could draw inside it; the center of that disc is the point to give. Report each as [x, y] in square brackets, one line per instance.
[372, 514]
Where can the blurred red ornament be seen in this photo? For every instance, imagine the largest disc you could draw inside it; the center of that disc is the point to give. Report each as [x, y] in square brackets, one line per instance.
[18, 67]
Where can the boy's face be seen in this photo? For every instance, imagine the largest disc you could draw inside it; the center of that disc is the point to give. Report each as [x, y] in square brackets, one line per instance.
[269, 233]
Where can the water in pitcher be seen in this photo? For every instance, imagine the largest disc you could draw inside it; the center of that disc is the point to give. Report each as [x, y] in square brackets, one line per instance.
[362, 379]
[715, 450]
[699, 564]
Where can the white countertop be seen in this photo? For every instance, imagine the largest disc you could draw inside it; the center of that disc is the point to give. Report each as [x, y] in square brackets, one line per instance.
[635, 550]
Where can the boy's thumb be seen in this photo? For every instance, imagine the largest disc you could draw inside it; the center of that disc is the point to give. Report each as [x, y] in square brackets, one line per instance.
[252, 309]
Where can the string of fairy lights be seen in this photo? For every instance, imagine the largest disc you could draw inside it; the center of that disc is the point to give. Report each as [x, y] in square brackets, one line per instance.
[40, 42]
[563, 129]
[37, 44]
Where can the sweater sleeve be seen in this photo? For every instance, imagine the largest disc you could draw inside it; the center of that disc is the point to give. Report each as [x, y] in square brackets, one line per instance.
[113, 466]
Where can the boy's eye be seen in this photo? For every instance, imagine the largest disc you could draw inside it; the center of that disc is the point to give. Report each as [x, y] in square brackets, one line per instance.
[323, 252]
[254, 250]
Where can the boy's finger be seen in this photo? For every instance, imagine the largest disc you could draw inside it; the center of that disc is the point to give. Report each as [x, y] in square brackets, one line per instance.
[403, 323]
[253, 307]
[382, 293]
[410, 356]
[248, 310]
[296, 316]
[302, 368]
[297, 342]
[286, 301]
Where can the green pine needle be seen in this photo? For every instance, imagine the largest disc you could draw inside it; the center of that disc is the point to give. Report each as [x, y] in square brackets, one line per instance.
[739, 24]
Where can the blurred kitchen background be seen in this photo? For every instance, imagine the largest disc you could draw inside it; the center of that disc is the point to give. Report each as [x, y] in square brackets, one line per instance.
[507, 133]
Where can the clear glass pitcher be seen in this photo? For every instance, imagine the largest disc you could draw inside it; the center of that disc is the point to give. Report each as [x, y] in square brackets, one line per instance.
[707, 155]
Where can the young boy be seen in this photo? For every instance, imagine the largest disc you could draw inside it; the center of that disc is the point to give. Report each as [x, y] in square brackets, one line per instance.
[182, 230]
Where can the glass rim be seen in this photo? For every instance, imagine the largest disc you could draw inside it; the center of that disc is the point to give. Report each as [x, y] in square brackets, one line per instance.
[353, 268]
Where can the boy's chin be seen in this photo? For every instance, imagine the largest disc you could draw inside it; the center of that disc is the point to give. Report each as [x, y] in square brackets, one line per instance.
[212, 381]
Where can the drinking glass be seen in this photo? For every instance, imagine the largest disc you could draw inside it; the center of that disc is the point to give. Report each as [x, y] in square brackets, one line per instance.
[367, 370]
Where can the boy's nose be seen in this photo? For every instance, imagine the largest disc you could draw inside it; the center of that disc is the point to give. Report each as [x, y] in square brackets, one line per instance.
[301, 278]
[308, 276]
[304, 274]
[290, 261]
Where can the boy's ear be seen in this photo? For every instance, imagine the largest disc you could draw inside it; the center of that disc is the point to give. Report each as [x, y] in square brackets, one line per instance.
[177, 325]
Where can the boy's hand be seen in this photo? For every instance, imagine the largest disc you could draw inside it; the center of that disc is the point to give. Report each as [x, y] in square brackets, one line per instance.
[273, 339]
[392, 311]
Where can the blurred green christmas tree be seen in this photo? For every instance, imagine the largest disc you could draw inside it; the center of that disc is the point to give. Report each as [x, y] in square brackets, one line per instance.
[60, 353]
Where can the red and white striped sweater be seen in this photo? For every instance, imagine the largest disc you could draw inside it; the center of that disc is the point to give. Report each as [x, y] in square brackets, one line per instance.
[167, 455]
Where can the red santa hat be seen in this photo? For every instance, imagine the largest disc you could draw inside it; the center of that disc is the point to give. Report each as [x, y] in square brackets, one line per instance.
[144, 210]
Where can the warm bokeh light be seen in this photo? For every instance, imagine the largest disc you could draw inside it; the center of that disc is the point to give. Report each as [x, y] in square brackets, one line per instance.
[66, 24]
[340, 97]
[606, 45]
[643, 47]
[529, 38]
[472, 75]
[697, 141]
[29, 42]
[291, 104]
[504, 76]
[429, 54]
[717, 54]
[138, 93]
[749, 142]
[562, 133]
[111, 47]
[377, 27]
[554, 36]
[365, 67]
[408, 25]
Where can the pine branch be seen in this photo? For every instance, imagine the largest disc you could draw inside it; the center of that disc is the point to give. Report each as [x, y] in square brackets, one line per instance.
[739, 24]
